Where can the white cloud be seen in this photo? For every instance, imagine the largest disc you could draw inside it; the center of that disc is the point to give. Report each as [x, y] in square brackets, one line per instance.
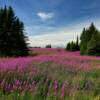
[58, 38]
[45, 16]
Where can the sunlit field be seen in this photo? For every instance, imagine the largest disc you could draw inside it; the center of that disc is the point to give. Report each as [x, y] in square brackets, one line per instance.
[50, 74]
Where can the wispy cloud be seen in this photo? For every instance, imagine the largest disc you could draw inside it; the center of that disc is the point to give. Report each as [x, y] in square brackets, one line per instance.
[61, 36]
[45, 16]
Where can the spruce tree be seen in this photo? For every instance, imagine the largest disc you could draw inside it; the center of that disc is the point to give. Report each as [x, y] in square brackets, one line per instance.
[83, 44]
[93, 47]
[73, 46]
[48, 46]
[77, 48]
[12, 37]
[83, 34]
[90, 41]
[68, 46]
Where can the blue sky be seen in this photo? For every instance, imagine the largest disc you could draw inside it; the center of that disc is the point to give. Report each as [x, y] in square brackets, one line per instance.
[55, 21]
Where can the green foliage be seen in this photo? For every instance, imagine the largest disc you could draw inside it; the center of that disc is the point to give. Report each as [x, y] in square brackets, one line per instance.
[77, 44]
[90, 41]
[42, 89]
[93, 46]
[12, 37]
[48, 46]
[73, 46]
[68, 46]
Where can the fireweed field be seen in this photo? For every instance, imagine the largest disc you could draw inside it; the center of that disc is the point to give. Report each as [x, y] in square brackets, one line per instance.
[50, 74]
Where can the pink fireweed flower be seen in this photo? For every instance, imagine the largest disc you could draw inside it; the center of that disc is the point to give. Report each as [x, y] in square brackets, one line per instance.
[8, 87]
[17, 83]
[2, 83]
[63, 90]
[64, 85]
[55, 87]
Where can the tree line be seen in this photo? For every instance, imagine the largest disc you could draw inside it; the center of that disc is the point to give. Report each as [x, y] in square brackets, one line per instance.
[89, 42]
[73, 46]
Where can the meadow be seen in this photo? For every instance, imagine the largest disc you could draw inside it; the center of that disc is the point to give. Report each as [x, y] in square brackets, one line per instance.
[50, 74]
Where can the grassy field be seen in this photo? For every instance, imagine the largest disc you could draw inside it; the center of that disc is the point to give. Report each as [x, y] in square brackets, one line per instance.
[50, 74]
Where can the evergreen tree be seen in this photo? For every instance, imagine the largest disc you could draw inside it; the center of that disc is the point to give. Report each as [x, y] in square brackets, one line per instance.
[83, 44]
[93, 47]
[73, 46]
[89, 44]
[77, 44]
[83, 34]
[68, 46]
[12, 37]
[48, 46]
